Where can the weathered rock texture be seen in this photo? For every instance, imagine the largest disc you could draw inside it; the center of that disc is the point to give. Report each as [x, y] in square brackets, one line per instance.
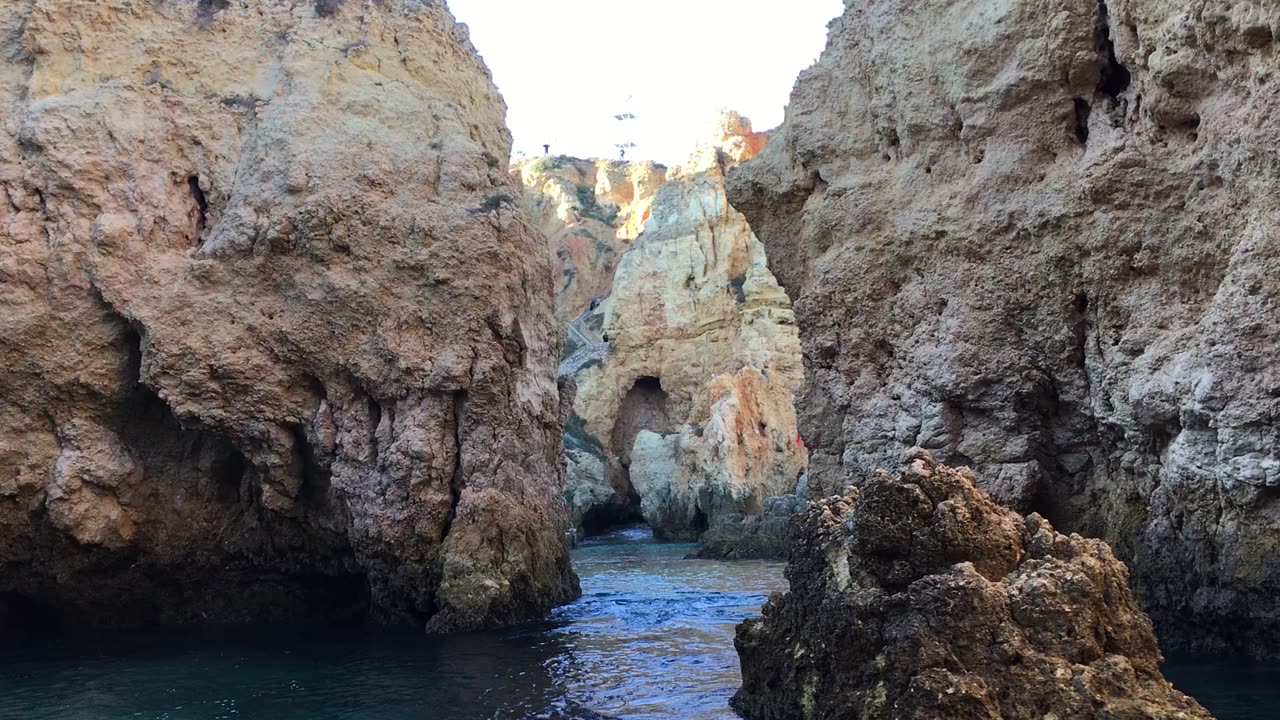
[686, 412]
[918, 597]
[590, 211]
[275, 341]
[768, 534]
[1040, 238]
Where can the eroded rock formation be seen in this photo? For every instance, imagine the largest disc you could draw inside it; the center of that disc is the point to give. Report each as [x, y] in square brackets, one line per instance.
[590, 211]
[1041, 239]
[916, 596]
[684, 411]
[276, 342]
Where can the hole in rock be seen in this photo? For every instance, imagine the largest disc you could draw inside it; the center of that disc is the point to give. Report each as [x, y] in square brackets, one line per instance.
[1082, 120]
[644, 407]
[201, 205]
[700, 521]
[1115, 76]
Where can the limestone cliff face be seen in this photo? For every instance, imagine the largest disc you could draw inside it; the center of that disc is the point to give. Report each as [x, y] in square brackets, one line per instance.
[590, 211]
[916, 597]
[686, 412]
[276, 342]
[1040, 238]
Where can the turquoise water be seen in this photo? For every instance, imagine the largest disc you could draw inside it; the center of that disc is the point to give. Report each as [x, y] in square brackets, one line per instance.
[651, 638]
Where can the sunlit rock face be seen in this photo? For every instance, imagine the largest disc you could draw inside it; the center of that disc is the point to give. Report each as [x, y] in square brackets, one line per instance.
[916, 597]
[590, 211]
[277, 343]
[1041, 239]
[684, 409]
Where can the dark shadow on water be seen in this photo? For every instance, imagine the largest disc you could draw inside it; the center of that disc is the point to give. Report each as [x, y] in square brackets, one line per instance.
[651, 638]
[1229, 690]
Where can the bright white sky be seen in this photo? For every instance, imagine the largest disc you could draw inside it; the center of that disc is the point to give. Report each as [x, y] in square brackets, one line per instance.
[566, 67]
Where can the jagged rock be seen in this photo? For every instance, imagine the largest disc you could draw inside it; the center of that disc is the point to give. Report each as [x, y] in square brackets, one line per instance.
[916, 596]
[276, 343]
[767, 535]
[590, 211]
[688, 408]
[1041, 239]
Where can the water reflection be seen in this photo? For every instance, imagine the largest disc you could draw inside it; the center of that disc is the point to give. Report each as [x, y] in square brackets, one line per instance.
[651, 638]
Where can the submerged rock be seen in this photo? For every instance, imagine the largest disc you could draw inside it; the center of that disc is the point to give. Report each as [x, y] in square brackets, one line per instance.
[917, 596]
[1041, 239]
[276, 343]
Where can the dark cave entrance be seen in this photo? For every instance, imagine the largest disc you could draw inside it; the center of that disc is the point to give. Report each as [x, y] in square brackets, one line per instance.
[646, 406]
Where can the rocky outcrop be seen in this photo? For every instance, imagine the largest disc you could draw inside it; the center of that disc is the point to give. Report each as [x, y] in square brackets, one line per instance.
[747, 536]
[590, 211]
[686, 414]
[916, 596]
[276, 342]
[1041, 239]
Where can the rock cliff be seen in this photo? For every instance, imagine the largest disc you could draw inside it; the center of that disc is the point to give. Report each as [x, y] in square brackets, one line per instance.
[276, 342]
[1040, 238]
[590, 211]
[685, 412]
[916, 596]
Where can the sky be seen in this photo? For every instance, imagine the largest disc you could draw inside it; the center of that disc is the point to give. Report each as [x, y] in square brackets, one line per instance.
[567, 67]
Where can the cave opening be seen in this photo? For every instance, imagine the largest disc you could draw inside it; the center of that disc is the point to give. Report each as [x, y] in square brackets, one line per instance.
[23, 617]
[646, 406]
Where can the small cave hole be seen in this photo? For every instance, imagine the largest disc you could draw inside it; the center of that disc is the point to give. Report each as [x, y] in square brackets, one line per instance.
[201, 205]
[1115, 77]
[699, 524]
[1082, 111]
[206, 9]
[227, 472]
[327, 8]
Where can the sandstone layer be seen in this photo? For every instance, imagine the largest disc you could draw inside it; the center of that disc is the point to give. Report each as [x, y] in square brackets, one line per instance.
[1040, 238]
[916, 596]
[590, 211]
[683, 412]
[276, 342]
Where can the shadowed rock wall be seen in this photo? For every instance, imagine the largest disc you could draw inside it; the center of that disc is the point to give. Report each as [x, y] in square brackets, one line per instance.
[276, 342]
[1040, 238]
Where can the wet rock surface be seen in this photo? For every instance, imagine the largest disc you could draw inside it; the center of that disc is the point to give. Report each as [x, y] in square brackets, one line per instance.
[741, 536]
[1040, 239]
[251, 370]
[916, 596]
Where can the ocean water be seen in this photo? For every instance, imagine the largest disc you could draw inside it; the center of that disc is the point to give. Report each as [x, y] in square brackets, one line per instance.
[651, 638]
